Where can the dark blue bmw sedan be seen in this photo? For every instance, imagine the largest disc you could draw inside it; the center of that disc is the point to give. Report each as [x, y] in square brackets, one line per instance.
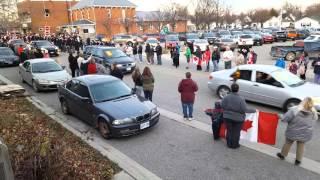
[108, 104]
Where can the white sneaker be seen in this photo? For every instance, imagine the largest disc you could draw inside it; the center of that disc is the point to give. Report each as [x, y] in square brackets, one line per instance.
[186, 119]
[190, 119]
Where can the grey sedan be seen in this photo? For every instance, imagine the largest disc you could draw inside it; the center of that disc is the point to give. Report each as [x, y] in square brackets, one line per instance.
[265, 84]
[43, 74]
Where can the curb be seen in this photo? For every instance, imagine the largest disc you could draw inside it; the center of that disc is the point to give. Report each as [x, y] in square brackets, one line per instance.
[308, 164]
[131, 169]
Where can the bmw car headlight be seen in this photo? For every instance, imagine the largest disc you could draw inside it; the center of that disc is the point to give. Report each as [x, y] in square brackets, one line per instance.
[133, 64]
[123, 121]
[119, 65]
[154, 111]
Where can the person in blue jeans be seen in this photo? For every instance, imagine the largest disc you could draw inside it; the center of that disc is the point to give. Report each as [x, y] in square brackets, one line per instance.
[215, 57]
[187, 88]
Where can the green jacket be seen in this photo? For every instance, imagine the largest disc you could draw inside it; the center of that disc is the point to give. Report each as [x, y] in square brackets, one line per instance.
[188, 52]
[147, 83]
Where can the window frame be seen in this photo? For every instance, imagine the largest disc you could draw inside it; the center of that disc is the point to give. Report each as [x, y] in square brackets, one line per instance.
[251, 73]
[272, 85]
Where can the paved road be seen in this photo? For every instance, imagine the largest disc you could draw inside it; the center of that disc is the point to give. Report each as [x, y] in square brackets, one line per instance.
[175, 151]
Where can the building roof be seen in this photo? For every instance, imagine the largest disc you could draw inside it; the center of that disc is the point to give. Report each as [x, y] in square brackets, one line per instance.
[147, 15]
[103, 3]
[80, 22]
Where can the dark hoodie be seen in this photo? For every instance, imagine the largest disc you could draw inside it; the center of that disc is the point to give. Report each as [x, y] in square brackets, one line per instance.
[187, 88]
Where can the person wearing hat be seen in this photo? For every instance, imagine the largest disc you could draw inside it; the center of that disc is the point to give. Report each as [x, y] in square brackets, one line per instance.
[215, 57]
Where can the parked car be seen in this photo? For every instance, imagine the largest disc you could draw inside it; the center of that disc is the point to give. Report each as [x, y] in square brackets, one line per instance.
[311, 45]
[303, 34]
[12, 43]
[292, 34]
[191, 37]
[152, 41]
[111, 55]
[108, 104]
[244, 40]
[43, 74]
[236, 32]
[202, 43]
[182, 37]
[87, 51]
[279, 36]
[257, 39]
[46, 45]
[124, 39]
[265, 84]
[224, 34]
[211, 37]
[7, 57]
[267, 38]
[223, 43]
[171, 41]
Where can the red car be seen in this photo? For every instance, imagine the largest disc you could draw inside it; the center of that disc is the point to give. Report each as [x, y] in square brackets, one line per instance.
[267, 38]
[171, 41]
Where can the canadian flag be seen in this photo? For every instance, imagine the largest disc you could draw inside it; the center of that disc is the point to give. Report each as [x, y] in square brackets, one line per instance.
[260, 127]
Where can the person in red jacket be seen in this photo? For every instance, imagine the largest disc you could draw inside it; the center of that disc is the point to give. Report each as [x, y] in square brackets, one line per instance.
[207, 58]
[92, 67]
[187, 88]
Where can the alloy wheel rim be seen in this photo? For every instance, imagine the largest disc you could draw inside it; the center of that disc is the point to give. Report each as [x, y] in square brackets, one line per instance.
[223, 92]
[103, 129]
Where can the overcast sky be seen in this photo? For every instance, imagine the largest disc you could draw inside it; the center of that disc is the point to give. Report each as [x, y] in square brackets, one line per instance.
[236, 5]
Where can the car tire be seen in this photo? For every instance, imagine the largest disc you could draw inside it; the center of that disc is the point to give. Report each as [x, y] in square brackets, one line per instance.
[223, 91]
[290, 56]
[34, 86]
[290, 103]
[104, 129]
[64, 106]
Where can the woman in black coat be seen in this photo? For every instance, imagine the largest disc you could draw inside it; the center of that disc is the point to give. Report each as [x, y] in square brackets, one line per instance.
[73, 64]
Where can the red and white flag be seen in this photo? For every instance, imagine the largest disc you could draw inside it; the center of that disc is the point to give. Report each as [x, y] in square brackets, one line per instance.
[260, 127]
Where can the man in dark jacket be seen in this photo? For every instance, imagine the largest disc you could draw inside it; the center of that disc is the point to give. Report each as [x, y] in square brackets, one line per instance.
[140, 52]
[148, 53]
[187, 88]
[135, 51]
[215, 57]
[316, 70]
[234, 113]
[159, 53]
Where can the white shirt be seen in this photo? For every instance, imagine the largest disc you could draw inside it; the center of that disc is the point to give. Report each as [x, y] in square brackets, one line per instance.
[227, 56]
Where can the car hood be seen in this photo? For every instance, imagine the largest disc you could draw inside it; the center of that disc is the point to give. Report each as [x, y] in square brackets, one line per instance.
[120, 60]
[10, 57]
[53, 76]
[131, 106]
[48, 47]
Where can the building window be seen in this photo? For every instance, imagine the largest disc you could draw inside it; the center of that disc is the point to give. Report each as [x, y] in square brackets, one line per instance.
[85, 31]
[46, 12]
[123, 13]
[151, 26]
[109, 13]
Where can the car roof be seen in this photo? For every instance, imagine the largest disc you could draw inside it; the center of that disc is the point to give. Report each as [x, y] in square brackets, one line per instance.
[258, 67]
[5, 48]
[95, 79]
[41, 41]
[38, 60]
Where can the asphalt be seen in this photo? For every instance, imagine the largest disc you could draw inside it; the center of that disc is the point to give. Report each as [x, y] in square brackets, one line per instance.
[175, 151]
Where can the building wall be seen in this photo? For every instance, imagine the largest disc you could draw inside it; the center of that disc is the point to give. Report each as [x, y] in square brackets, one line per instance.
[58, 13]
[108, 20]
[307, 23]
[150, 27]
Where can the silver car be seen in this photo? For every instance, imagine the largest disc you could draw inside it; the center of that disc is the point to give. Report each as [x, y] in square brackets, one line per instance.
[43, 74]
[266, 84]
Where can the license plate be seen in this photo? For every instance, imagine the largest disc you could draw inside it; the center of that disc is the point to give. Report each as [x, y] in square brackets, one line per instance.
[129, 69]
[9, 62]
[145, 125]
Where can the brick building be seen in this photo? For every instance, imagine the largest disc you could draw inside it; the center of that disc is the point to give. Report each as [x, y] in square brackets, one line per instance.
[149, 22]
[108, 17]
[44, 16]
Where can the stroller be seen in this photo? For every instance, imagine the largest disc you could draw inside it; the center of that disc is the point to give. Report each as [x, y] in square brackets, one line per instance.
[216, 115]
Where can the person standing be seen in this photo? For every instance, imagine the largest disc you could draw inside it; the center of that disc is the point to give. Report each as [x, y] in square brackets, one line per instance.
[140, 52]
[227, 58]
[300, 121]
[188, 55]
[239, 59]
[215, 57]
[207, 57]
[159, 53]
[198, 55]
[148, 53]
[175, 58]
[187, 88]
[116, 72]
[135, 51]
[137, 79]
[234, 113]
[147, 83]
[92, 67]
[316, 70]
[152, 51]
[73, 65]
[252, 57]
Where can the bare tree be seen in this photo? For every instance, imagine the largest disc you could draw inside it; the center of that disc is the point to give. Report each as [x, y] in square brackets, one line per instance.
[159, 19]
[273, 12]
[261, 16]
[127, 23]
[292, 9]
[313, 10]
[175, 12]
[142, 25]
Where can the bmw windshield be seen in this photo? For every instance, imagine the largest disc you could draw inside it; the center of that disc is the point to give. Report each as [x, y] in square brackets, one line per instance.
[43, 43]
[114, 53]
[45, 67]
[108, 91]
[287, 78]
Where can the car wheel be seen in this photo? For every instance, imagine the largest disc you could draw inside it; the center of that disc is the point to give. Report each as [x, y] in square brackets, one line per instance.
[104, 129]
[35, 86]
[223, 91]
[64, 107]
[129, 43]
[290, 56]
[291, 103]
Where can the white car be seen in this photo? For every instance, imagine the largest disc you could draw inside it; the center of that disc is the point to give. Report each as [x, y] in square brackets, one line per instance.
[265, 84]
[43, 74]
[243, 40]
[152, 41]
[202, 43]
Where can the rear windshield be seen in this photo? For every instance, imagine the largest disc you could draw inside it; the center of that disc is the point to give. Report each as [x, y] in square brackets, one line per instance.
[280, 32]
